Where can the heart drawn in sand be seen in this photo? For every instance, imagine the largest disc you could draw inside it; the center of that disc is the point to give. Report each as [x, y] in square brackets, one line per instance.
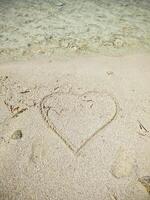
[76, 119]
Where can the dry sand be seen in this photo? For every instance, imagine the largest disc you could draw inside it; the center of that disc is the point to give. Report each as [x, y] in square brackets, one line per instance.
[75, 128]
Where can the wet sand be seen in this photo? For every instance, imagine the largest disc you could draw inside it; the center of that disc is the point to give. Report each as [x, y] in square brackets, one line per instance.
[52, 27]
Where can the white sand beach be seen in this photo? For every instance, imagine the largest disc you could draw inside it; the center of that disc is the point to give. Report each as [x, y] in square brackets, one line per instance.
[75, 128]
[74, 100]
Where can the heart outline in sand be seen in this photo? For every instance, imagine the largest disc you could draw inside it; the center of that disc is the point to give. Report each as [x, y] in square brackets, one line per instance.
[76, 119]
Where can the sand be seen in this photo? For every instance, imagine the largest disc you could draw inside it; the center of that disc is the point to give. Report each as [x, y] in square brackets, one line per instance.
[74, 100]
[75, 128]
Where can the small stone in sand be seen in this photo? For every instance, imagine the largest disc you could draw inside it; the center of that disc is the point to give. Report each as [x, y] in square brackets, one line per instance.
[145, 181]
[17, 135]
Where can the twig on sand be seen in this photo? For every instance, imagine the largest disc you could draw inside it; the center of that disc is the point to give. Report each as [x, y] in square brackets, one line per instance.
[19, 112]
[24, 92]
[142, 127]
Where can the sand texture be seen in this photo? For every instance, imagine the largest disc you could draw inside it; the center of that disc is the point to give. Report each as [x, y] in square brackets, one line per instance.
[75, 128]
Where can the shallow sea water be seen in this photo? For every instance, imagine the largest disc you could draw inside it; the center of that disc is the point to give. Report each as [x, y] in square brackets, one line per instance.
[34, 27]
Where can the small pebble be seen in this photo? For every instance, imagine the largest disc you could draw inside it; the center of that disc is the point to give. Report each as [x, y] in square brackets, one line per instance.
[17, 135]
